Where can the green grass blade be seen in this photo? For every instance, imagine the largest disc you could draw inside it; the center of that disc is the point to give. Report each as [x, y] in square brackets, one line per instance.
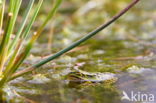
[11, 8]
[2, 7]
[50, 16]
[29, 26]
[77, 43]
[13, 20]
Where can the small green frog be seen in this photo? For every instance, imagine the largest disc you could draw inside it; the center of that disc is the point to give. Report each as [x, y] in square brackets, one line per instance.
[78, 76]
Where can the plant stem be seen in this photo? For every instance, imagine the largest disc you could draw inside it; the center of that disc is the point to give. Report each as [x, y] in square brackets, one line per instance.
[2, 7]
[77, 43]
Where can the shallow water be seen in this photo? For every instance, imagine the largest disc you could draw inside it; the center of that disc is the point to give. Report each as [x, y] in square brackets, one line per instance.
[128, 43]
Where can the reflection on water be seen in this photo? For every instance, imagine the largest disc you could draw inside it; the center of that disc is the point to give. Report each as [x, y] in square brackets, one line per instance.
[142, 83]
[58, 91]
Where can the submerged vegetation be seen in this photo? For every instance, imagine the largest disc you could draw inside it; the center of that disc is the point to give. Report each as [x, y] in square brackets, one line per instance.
[18, 35]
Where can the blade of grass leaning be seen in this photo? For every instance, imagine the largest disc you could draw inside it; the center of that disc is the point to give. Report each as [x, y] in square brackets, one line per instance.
[49, 17]
[77, 43]
[29, 26]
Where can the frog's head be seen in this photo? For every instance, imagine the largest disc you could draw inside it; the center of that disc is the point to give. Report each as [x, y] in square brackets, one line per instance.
[107, 77]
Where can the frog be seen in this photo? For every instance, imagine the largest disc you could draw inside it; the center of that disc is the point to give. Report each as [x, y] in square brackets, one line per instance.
[82, 77]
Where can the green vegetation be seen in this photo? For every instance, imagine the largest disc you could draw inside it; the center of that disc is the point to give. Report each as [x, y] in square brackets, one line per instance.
[13, 51]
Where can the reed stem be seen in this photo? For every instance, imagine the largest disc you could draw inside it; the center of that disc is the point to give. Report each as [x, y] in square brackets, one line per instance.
[77, 43]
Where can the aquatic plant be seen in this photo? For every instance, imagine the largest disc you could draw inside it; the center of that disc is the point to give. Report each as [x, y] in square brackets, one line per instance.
[14, 49]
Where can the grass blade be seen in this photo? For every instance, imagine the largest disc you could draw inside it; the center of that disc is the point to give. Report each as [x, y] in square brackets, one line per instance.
[77, 43]
[2, 7]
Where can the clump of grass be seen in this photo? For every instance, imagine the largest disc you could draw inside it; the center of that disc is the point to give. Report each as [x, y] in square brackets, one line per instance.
[13, 51]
